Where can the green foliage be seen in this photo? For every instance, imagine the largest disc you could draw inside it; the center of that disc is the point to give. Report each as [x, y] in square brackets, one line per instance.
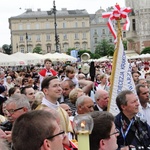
[125, 44]
[95, 56]
[146, 50]
[104, 48]
[37, 50]
[83, 51]
[69, 51]
[7, 49]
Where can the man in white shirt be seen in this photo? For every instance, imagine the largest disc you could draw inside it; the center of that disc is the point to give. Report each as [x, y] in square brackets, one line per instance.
[52, 91]
[143, 94]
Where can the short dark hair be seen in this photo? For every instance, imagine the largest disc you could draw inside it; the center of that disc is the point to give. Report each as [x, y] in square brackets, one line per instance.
[12, 90]
[138, 86]
[121, 98]
[46, 81]
[47, 59]
[23, 89]
[30, 130]
[103, 122]
[70, 83]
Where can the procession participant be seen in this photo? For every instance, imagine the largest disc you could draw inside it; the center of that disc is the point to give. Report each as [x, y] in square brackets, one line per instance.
[47, 70]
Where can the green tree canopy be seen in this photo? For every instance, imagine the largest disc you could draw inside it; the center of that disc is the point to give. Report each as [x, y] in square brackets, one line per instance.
[146, 50]
[37, 50]
[104, 48]
[7, 49]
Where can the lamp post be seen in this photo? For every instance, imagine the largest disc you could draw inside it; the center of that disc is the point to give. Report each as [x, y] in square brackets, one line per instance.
[27, 41]
[17, 46]
[55, 24]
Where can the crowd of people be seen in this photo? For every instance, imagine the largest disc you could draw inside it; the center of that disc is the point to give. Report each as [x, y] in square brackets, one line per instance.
[38, 104]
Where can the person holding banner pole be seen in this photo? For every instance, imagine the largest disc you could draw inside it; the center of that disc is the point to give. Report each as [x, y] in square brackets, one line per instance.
[134, 132]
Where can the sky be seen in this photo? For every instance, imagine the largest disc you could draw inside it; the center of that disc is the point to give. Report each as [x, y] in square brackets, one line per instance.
[10, 8]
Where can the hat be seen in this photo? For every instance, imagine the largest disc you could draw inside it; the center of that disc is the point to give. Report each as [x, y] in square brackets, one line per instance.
[2, 89]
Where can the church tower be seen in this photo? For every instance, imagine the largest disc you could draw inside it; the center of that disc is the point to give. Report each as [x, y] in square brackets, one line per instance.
[138, 36]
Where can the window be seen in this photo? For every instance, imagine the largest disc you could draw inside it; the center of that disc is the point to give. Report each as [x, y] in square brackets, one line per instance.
[22, 49]
[20, 26]
[103, 31]
[76, 24]
[95, 33]
[48, 48]
[65, 47]
[30, 49]
[37, 26]
[95, 40]
[77, 45]
[84, 35]
[84, 46]
[28, 26]
[133, 25]
[65, 36]
[21, 38]
[83, 24]
[48, 37]
[29, 37]
[110, 40]
[38, 38]
[76, 36]
[64, 25]
[47, 25]
[124, 34]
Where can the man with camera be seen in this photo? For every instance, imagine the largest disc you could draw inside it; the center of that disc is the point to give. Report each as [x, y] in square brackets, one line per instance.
[134, 132]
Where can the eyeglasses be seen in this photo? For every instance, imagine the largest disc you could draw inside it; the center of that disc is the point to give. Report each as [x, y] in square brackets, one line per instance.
[117, 132]
[50, 137]
[12, 111]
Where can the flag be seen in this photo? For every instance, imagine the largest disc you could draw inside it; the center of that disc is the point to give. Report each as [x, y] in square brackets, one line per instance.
[121, 78]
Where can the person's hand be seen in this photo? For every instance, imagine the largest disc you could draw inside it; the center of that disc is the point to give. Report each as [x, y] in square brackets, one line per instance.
[2, 133]
[7, 136]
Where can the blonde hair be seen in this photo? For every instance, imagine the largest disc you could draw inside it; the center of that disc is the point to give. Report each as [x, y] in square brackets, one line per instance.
[39, 96]
[74, 95]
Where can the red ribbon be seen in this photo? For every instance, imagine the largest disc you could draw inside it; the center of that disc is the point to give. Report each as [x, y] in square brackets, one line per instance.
[117, 14]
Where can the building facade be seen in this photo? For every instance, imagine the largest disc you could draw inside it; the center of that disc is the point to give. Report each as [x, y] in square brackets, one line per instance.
[138, 36]
[99, 29]
[36, 29]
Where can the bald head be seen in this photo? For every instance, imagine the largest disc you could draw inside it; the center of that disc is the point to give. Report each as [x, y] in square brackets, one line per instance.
[102, 98]
[84, 104]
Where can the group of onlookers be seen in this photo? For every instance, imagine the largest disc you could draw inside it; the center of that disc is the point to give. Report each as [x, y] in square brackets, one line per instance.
[37, 108]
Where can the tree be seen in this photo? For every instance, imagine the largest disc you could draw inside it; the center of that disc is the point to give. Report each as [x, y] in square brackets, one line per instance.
[69, 51]
[7, 49]
[37, 50]
[104, 48]
[125, 44]
[146, 50]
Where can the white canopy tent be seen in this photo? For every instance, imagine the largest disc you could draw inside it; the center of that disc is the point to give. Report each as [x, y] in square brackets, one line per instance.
[8, 60]
[60, 57]
[38, 58]
[142, 56]
[29, 58]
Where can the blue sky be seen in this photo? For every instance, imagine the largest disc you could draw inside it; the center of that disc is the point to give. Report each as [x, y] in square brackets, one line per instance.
[9, 8]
